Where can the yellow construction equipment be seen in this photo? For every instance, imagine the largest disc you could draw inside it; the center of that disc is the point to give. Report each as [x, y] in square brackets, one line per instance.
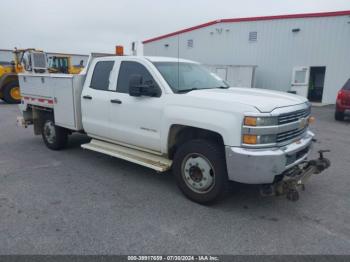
[9, 86]
[62, 64]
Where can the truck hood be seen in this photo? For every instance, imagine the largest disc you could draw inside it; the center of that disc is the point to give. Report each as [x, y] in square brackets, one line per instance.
[262, 99]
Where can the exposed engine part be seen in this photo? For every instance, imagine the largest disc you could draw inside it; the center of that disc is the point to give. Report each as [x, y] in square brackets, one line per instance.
[295, 178]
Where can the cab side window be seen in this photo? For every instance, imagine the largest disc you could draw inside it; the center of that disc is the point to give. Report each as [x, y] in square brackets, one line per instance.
[129, 68]
[100, 76]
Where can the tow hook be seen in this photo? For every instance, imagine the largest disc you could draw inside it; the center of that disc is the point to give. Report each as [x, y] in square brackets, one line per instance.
[295, 178]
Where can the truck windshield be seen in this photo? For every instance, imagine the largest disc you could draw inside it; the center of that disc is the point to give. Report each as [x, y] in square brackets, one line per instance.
[184, 77]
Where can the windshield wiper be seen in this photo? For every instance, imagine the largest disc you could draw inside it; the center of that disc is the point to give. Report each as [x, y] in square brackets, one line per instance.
[195, 88]
[222, 87]
[186, 90]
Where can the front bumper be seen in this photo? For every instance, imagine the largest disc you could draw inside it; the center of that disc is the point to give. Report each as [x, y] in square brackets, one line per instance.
[260, 166]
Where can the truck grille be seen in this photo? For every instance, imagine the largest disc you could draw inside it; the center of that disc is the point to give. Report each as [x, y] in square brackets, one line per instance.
[288, 135]
[294, 116]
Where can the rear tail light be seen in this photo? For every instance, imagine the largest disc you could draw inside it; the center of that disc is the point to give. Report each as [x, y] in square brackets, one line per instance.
[340, 96]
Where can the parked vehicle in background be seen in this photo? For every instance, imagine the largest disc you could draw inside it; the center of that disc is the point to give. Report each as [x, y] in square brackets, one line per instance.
[9, 86]
[342, 108]
[24, 61]
[169, 113]
[62, 64]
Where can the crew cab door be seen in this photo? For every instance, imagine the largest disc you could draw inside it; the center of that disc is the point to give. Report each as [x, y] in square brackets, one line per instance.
[95, 100]
[135, 120]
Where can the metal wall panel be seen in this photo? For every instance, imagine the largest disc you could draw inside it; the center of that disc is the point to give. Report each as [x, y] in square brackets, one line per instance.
[321, 41]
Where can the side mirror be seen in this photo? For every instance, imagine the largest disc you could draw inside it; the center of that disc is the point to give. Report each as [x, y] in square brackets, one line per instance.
[135, 83]
[138, 88]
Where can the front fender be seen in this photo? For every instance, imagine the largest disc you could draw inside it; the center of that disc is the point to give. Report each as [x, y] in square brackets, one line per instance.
[227, 124]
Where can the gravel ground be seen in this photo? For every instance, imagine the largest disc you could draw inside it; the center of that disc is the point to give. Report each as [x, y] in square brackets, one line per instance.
[81, 202]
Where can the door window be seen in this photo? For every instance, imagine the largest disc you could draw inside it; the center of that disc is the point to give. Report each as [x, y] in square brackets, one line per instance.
[100, 76]
[129, 68]
[301, 76]
[347, 85]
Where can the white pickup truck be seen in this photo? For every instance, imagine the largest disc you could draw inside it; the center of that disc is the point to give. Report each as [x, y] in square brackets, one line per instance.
[166, 113]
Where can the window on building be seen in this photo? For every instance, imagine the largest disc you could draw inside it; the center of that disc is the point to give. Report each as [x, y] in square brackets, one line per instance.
[129, 68]
[253, 36]
[100, 76]
[190, 43]
[300, 77]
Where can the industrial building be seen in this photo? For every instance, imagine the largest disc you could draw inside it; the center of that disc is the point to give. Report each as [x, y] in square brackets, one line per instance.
[305, 53]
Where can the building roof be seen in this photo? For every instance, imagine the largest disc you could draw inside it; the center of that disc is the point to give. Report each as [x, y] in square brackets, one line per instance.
[250, 19]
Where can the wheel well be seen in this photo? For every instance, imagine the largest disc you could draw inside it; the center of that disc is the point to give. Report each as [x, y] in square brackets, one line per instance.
[39, 115]
[180, 134]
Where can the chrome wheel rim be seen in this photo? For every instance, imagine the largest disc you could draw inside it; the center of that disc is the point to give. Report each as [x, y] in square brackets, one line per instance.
[49, 132]
[198, 173]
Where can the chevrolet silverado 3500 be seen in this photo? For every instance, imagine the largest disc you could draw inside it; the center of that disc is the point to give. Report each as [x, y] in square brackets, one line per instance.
[167, 113]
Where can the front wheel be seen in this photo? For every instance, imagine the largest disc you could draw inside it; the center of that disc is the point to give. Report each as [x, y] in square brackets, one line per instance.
[200, 170]
[339, 116]
[54, 137]
[11, 93]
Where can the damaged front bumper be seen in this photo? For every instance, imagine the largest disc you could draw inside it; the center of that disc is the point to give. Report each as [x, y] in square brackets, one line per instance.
[295, 178]
[279, 171]
[262, 166]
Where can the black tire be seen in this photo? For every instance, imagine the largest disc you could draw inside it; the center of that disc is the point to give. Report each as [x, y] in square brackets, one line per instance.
[6, 93]
[339, 116]
[213, 155]
[54, 137]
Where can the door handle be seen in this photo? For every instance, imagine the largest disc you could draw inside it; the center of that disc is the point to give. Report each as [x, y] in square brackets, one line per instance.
[116, 101]
[87, 97]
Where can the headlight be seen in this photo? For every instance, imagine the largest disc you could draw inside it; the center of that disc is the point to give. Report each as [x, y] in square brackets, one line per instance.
[260, 121]
[259, 139]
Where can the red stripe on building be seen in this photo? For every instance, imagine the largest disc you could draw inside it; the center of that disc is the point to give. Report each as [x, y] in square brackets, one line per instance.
[250, 19]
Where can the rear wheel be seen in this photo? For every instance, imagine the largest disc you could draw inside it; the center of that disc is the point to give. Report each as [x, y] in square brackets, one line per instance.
[54, 137]
[339, 116]
[200, 170]
[11, 93]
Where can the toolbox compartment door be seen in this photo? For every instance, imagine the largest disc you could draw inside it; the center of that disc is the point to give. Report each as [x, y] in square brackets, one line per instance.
[63, 89]
[67, 106]
[64, 102]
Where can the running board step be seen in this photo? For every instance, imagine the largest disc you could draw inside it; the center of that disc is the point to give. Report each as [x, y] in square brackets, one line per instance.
[150, 160]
